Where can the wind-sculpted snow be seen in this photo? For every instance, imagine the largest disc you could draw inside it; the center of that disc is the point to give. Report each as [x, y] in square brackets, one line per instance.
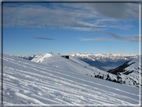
[30, 83]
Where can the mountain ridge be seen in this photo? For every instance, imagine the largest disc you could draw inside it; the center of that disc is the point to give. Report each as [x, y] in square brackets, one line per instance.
[109, 57]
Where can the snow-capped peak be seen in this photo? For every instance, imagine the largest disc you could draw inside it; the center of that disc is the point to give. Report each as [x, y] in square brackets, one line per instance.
[40, 58]
[103, 57]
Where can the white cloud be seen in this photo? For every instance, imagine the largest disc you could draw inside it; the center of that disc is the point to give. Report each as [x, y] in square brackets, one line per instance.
[70, 16]
[40, 15]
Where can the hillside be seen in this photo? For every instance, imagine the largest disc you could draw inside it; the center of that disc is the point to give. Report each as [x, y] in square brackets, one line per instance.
[71, 65]
[75, 65]
[29, 83]
[129, 73]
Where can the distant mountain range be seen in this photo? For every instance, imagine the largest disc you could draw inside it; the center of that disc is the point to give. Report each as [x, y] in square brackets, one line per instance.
[105, 61]
[28, 57]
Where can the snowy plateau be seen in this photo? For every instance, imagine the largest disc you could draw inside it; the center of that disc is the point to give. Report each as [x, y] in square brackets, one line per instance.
[51, 80]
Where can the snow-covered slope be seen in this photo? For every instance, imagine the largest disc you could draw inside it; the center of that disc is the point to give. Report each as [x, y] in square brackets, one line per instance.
[27, 82]
[134, 65]
[77, 66]
[70, 65]
[129, 73]
[133, 73]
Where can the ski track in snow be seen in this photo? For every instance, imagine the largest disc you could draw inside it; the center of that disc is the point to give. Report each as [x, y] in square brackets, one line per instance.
[33, 83]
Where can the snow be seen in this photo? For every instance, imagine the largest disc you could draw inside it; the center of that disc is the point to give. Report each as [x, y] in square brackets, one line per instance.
[133, 66]
[42, 57]
[135, 75]
[103, 57]
[71, 65]
[31, 83]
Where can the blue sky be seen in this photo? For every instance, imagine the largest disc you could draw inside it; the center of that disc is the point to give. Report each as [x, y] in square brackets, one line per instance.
[37, 28]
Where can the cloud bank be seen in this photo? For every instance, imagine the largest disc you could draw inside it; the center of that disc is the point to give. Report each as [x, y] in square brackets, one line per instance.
[86, 16]
[74, 16]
